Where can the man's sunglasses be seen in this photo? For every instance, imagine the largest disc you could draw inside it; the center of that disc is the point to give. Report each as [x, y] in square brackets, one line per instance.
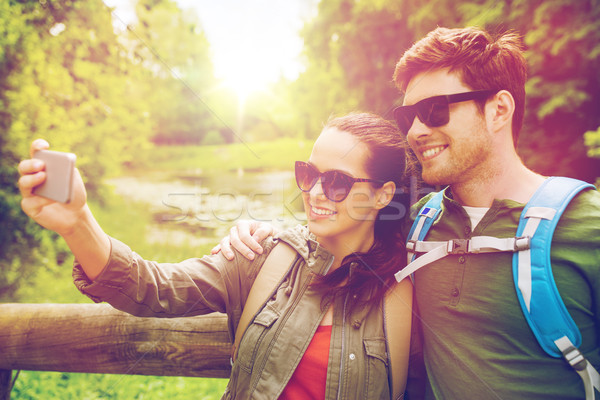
[336, 185]
[434, 111]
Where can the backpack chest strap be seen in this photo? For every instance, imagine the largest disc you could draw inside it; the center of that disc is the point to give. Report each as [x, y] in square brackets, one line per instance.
[477, 244]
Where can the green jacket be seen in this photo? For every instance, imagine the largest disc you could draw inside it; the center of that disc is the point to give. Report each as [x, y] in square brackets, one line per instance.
[275, 341]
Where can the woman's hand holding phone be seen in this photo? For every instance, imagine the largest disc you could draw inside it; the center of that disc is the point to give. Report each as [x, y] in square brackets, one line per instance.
[73, 219]
[52, 189]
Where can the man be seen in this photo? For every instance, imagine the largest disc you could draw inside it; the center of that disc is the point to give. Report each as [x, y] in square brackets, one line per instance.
[476, 341]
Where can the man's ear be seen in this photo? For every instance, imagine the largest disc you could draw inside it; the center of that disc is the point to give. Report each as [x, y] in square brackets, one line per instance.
[385, 194]
[500, 110]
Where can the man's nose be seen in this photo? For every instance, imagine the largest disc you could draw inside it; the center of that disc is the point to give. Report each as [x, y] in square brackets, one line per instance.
[418, 129]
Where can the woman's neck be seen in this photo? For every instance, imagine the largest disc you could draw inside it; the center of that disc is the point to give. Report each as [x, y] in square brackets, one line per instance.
[344, 245]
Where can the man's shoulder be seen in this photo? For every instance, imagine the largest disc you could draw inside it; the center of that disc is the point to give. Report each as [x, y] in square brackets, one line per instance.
[579, 225]
[590, 197]
[584, 207]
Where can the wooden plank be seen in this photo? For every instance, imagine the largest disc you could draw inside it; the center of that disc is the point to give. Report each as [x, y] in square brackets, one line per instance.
[99, 339]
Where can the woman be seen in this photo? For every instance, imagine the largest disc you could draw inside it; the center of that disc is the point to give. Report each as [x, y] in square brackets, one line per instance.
[322, 335]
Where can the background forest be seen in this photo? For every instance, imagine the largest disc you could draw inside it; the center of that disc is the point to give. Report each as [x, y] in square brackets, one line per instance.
[126, 96]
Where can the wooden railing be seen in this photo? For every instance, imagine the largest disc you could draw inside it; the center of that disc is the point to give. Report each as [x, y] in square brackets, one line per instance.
[99, 339]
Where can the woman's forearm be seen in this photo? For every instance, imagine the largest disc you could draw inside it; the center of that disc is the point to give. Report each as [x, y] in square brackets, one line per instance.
[89, 244]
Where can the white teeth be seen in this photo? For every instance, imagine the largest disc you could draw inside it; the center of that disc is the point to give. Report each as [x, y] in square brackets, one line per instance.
[432, 152]
[322, 211]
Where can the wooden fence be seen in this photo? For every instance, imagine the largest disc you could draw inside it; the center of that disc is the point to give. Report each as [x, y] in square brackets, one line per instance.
[99, 339]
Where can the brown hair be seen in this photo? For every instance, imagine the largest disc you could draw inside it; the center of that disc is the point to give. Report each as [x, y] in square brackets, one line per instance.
[483, 61]
[387, 161]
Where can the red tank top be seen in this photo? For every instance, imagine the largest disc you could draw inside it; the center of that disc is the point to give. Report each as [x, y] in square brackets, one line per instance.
[309, 379]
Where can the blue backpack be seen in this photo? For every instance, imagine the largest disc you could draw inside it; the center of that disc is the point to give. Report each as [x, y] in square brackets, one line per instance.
[536, 290]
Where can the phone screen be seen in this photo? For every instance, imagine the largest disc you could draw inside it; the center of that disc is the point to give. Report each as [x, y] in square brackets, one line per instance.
[59, 175]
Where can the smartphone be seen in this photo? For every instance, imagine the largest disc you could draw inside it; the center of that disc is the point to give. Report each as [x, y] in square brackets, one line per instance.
[60, 168]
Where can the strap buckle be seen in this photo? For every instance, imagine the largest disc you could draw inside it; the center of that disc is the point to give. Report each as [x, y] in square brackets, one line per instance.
[458, 246]
[522, 243]
[411, 245]
[575, 359]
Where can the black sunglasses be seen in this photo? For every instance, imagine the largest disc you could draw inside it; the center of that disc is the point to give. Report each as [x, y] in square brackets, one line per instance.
[434, 111]
[336, 185]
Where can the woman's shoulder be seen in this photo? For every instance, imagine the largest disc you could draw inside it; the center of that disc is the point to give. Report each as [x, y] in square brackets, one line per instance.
[297, 237]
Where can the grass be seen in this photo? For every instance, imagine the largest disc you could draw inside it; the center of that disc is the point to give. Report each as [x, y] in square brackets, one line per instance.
[278, 154]
[33, 385]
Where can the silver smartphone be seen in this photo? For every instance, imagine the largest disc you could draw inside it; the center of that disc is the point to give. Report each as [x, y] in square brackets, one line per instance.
[60, 168]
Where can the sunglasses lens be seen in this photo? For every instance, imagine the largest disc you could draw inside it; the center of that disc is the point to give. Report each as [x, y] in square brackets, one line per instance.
[434, 112]
[306, 176]
[336, 185]
[404, 117]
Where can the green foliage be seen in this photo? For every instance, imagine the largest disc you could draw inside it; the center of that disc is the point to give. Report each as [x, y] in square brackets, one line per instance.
[171, 46]
[563, 90]
[592, 141]
[351, 49]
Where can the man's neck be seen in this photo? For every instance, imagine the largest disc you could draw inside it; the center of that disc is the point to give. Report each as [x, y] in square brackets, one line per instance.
[512, 181]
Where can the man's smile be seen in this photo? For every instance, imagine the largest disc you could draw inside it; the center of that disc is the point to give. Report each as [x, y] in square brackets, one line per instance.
[432, 152]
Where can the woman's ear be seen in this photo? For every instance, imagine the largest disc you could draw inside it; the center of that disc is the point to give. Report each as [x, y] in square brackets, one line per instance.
[500, 110]
[385, 194]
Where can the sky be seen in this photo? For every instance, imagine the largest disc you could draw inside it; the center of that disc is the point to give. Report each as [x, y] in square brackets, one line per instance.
[253, 42]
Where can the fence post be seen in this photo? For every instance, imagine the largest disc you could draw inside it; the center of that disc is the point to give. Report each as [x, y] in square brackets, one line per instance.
[5, 383]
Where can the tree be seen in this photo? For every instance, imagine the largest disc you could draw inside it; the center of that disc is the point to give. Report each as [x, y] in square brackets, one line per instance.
[351, 49]
[21, 240]
[64, 78]
[174, 51]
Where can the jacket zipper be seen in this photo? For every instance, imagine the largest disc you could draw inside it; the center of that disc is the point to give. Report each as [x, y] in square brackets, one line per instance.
[387, 350]
[343, 345]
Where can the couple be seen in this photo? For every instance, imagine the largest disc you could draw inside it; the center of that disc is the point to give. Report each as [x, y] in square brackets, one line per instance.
[323, 333]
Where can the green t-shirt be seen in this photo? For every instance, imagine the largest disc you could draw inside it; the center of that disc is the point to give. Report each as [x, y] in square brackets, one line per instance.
[476, 341]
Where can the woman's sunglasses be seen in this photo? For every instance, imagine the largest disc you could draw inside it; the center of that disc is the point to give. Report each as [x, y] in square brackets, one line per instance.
[336, 185]
[434, 111]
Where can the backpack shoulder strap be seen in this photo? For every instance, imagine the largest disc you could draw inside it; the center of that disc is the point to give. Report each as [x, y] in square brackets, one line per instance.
[420, 227]
[532, 272]
[397, 319]
[274, 269]
[425, 218]
[538, 295]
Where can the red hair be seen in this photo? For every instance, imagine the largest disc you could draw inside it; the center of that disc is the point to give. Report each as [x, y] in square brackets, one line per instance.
[482, 60]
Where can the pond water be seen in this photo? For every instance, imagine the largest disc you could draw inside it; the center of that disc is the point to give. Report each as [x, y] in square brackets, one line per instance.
[199, 209]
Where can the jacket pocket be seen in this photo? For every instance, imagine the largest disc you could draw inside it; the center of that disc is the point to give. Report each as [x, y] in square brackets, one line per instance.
[254, 337]
[376, 369]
